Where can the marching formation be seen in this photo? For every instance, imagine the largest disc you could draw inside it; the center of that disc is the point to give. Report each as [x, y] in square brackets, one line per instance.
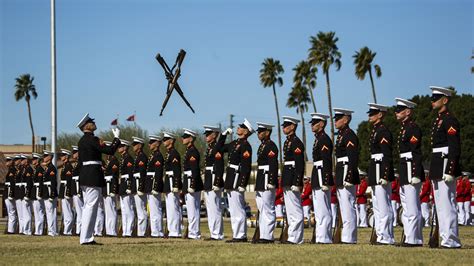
[90, 188]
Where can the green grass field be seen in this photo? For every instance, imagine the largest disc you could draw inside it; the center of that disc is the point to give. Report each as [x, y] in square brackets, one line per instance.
[16, 249]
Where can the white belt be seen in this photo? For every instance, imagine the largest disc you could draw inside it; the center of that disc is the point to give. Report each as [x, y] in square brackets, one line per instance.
[292, 163]
[63, 182]
[233, 166]
[344, 159]
[318, 163]
[125, 176]
[7, 183]
[209, 168]
[188, 173]
[48, 183]
[92, 162]
[377, 156]
[150, 173]
[36, 184]
[169, 173]
[443, 150]
[75, 177]
[264, 167]
[136, 175]
[406, 155]
[18, 184]
[108, 178]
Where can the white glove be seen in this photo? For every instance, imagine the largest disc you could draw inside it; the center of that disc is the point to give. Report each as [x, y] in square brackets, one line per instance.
[448, 178]
[324, 188]
[155, 192]
[10, 198]
[295, 189]
[215, 188]
[112, 195]
[128, 191]
[382, 182]
[66, 197]
[38, 198]
[270, 186]
[51, 199]
[175, 190]
[116, 132]
[241, 189]
[415, 180]
[347, 184]
[190, 190]
[227, 131]
[140, 193]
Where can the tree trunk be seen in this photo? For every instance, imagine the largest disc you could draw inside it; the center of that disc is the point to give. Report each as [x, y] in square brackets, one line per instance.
[278, 125]
[373, 87]
[312, 99]
[328, 86]
[32, 130]
[303, 129]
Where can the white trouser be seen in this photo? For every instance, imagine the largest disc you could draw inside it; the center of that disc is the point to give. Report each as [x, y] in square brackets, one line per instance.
[412, 222]
[467, 209]
[156, 215]
[91, 195]
[383, 213]
[214, 214]
[193, 207]
[99, 221]
[27, 217]
[279, 210]
[110, 216]
[19, 213]
[128, 215]
[472, 214]
[294, 214]
[51, 216]
[322, 215]
[68, 216]
[12, 216]
[460, 208]
[306, 211]
[362, 215]
[39, 211]
[395, 206]
[237, 214]
[445, 199]
[142, 215]
[173, 214]
[333, 214]
[425, 213]
[346, 197]
[267, 217]
[78, 206]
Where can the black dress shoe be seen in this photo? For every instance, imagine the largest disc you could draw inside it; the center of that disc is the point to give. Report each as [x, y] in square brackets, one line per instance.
[443, 247]
[345, 243]
[382, 244]
[211, 239]
[237, 240]
[287, 243]
[92, 243]
[265, 241]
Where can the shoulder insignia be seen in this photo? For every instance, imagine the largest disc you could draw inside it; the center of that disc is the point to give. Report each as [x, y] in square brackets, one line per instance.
[40, 174]
[157, 163]
[192, 159]
[298, 151]
[129, 164]
[51, 173]
[452, 131]
[246, 154]
[349, 143]
[324, 148]
[101, 142]
[413, 140]
[28, 174]
[11, 174]
[114, 167]
[384, 141]
[175, 160]
[271, 154]
[68, 173]
[218, 156]
[141, 163]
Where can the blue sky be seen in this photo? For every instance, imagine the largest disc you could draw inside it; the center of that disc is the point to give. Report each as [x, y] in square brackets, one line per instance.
[106, 50]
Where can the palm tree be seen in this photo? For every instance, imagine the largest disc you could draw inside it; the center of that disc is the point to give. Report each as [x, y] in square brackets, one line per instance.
[270, 74]
[298, 98]
[363, 64]
[24, 88]
[324, 52]
[306, 74]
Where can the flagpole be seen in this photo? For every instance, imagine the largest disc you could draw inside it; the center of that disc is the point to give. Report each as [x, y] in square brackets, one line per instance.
[53, 81]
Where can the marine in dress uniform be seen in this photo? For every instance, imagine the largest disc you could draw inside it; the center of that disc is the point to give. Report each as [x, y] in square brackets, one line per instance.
[141, 185]
[395, 199]
[361, 189]
[65, 192]
[266, 182]
[192, 183]
[322, 178]
[425, 194]
[10, 194]
[237, 177]
[20, 192]
[213, 183]
[172, 186]
[110, 192]
[347, 173]
[446, 144]
[154, 171]
[292, 179]
[76, 188]
[29, 195]
[49, 192]
[306, 201]
[381, 173]
[460, 196]
[91, 176]
[38, 202]
[411, 173]
[125, 189]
